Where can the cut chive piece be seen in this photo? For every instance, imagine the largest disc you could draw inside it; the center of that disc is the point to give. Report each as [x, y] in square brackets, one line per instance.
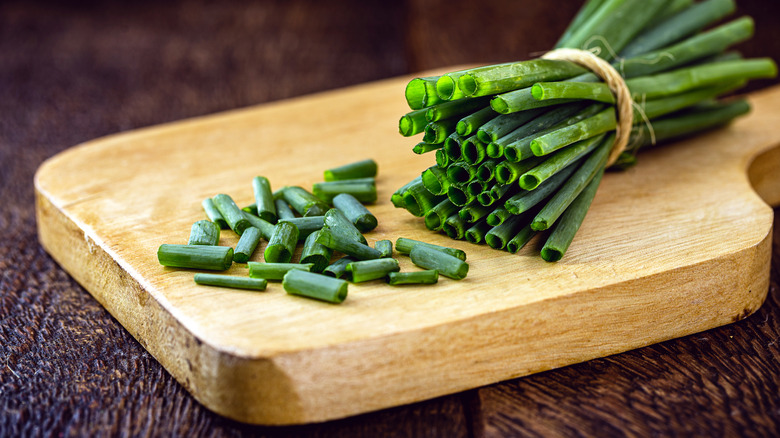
[385, 247]
[338, 268]
[213, 258]
[231, 281]
[246, 245]
[447, 265]
[275, 271]
[499, 236]
[213, 214]
[421, 92]
[355, 212]
[363, 189]
[498, 216]
[233, 215]
[266, 228]
[251, 208]
[563, 233]
[442, 160]
[436, 216]
[521, 238]
[486, 171]
[283, 210]
[423, 147]
[281, 245]
[429, 276]
[397, 198]
[455, 227]
[204, 232]
[338, 242]
[404, 246]
[305, 203]
[338, 222]
[461, 172]
[367, 270]
[459, 196]
[418, 200]
[476, 233]
[436, 132]
[317, 286]
[266, 209]
[412, 122]
[305, 225]
[315, 254]
[473, 150]
[435, 180]
[358, 169]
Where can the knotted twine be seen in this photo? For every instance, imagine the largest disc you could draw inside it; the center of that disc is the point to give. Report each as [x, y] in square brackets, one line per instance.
[617, 85]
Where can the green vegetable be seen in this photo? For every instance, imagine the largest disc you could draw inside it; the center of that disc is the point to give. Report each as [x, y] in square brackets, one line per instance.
[367, 270]
[305, 203]
[404, 246]
[204, 232]
[447, 265]
[214, 258]
[355, 212]
[338, 268]
[317, 286]
[430, 276]
[230, 281]
[232, 214]
[246, 245]
[358, 169]
[213, 214]
[281, 245]
[306, 225]
[264, 200]
[339, 242]
[385, 247]
[275, 271]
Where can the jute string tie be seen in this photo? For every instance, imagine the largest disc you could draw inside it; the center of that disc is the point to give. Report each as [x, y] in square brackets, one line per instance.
[616, 84]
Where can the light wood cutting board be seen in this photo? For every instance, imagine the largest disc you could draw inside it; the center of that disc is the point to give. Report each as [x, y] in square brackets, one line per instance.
[679, 244]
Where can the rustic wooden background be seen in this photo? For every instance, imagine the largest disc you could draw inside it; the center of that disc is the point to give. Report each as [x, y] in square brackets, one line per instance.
[73, 71]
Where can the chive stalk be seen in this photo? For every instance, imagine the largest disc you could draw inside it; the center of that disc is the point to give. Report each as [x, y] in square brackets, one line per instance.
[470, 124]
[317, 286]
[385, 247]
[355, 212]
[435, 180]
[412, 122]
[264, 200]
[404, 246]
[213, 213]
[315, 254]
[521, 239]
[305, 225]
[230, 281]
[204, 232]
[275, 271]
[283, 211]
[363, 189]
[266, 228]
[246, 245]
[339, 242]
[282, 243]
[435, 217]
[358, 169]
[214, 258]
[476, 233]
[447, 265]
[338, 268]
[367, 270]
[455, 227]
[304, 202]
[232, 214]
[338, 222]
[499, 236]
[428, 276]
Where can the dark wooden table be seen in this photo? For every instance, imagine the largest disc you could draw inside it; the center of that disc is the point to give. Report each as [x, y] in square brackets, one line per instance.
[73, 71]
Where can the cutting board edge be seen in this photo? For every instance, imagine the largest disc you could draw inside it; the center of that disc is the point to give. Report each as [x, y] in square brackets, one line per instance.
[278, 398]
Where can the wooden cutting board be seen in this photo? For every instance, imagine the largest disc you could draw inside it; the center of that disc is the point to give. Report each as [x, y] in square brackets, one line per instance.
[679, 244]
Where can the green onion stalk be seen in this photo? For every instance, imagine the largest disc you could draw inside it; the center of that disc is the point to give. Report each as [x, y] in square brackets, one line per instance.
[521, 147]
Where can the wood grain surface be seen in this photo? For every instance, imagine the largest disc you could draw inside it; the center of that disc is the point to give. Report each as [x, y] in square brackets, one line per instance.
[95, 68]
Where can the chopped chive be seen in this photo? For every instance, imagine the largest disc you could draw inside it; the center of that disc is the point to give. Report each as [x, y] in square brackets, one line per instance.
[461, 172]
[418, 200]
[266, 210]
[338, 242]
[421, 92]
[214, 258]
[404, 246]
[317, 286]
[435, 217]
[251, 208]
[213, 214]
[358, 169]
[435, 180]
[455, 227]
[498, 216]
[436, 132]
[476, 233]
[367, 270]
[500, 235]
[204, 232]
[266, 228]
[316, 254]
[246, 245]
[306, 225]
[413, 122]
[232, 214]
[283, 210]
[521, 238]
[397, 198]
[304, 202]
[423, 147]
[281, 245]
[429, 276]
[385, 247]
[338, 268]
[338, 222]
[275, 271]
[363, 189]
[447, 265]
[231, 281]
[355, 212]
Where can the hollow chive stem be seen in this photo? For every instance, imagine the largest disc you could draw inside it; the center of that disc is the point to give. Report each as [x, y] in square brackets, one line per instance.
[562, 235]
[428, 276]
[499, 236]
[404, 246]
[316, 254]
[282, 243]
[397, 198]
[521, 239]
[447, 86]
[499, 192]
[475, 187]
[525, 200]
[204, 232]
[455, 108]
[367, 270]
[436, 132]
[230, 281]
[600, 123]
[275, 271]
[461, 172]
[522, 100]
[266, 228]
[283, 210]
[459, 196]
[476, 233]
[435, 217]
[508, 172]
[418, 200]
[498, 216]
[264, 199]
[557, 161]
[544, 91]
[455, 227]
[500, 78]
[213, 214]
[413, 122]
[317, 286]
[232, 214]
[338, 268]
[355, 212]
[442, 160]
[452, 147]
[447, 265]
[421, 92]
[304, 202]
[473, 150]
[423, 147]
[503, 124]
[358, 169]
[385, 247]
[305, 225]
[469, 124]
[339, 242]
[213, 258]
[486, 171]
[338, 222]
[363, 189]
[472, 213]
[246, 245]
[435, 180]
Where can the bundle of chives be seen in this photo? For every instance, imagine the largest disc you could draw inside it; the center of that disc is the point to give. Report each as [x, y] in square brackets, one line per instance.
[543, 140]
